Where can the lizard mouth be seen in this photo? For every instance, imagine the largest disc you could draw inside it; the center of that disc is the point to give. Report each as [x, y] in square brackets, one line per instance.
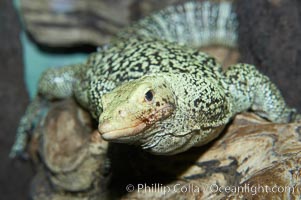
[118, 133]
[110, 132]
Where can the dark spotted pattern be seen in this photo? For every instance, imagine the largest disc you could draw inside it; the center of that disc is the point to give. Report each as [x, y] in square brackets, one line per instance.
[119, 63]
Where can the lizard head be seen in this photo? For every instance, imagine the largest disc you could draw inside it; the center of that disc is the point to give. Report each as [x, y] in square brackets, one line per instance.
[134, 107]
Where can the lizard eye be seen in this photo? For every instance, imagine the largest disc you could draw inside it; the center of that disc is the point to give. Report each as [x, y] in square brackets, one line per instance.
[149, 95]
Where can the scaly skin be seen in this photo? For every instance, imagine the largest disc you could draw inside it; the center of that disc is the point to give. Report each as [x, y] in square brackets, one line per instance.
[150, 91]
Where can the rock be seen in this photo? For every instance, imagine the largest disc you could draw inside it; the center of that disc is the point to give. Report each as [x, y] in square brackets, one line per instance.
[68, 23]
[73, 156]
[280, 181]
[251, 153]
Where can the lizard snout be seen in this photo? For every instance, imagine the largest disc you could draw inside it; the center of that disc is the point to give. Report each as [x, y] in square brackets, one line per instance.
[104, 127]
[114, 131]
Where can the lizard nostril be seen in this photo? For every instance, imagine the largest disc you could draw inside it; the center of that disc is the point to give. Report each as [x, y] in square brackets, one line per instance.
[104, 126]
[122, 113]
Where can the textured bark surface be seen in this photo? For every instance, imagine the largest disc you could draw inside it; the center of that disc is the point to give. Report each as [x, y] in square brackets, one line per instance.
[78, 22]
[251, 151]
[69, 156]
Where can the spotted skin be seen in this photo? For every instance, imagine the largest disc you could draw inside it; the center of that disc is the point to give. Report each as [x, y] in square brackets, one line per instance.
[151, 88]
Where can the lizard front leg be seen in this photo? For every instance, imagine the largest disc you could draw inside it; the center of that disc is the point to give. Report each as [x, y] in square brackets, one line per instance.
[54, 84]
[250, 89]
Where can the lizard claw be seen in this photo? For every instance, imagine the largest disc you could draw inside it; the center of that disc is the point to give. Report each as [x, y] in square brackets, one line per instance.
[34, 113]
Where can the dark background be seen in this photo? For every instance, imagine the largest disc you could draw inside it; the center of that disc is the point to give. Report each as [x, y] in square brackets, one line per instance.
[270, 38]
[14, 176]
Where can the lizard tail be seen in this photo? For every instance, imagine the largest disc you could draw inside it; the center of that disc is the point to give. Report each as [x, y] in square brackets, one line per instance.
[194, 23]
